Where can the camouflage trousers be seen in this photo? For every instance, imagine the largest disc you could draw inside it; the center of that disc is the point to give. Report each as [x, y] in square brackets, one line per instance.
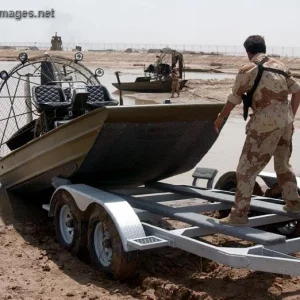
[256, 154]
[175, 87]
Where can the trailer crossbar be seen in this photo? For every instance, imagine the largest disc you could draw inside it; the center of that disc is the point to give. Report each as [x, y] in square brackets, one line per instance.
[208, 223]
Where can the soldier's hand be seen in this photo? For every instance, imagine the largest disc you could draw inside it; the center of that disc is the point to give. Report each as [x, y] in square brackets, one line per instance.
[218, 124]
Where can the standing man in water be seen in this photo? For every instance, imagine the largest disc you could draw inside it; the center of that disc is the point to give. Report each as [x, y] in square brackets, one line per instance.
[175, 82]
[269, 130]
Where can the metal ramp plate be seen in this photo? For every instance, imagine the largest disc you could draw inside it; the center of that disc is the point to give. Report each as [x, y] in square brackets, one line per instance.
[148, 242]
[246, 233]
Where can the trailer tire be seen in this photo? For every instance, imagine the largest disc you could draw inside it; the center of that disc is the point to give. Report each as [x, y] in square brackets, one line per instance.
[289, 229]
[68, 223]
[106, 248]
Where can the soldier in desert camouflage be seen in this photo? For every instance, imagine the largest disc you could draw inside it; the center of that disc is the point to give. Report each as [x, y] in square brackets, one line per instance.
[175, 82]
[268, 132]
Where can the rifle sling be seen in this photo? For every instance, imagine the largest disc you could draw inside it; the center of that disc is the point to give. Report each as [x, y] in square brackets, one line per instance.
[258, 77]
[261, 68]
[248, 96]
[277, 71]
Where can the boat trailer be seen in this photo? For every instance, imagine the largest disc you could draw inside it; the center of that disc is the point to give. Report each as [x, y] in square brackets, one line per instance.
[113, 224]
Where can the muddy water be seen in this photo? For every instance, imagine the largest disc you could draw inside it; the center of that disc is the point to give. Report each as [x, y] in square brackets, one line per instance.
[129, 75]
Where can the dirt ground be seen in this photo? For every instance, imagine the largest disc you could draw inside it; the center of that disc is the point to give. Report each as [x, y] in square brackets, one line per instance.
[34, 266]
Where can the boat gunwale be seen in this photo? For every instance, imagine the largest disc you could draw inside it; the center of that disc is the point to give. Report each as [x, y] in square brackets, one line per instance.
[148, 86]
[59, 128]
[163, 112]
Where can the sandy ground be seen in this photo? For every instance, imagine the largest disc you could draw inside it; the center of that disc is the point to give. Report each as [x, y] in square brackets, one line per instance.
[196, 91]
[34, 266]
[122, 59]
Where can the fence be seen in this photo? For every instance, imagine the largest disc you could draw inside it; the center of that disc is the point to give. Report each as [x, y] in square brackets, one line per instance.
[225, 50]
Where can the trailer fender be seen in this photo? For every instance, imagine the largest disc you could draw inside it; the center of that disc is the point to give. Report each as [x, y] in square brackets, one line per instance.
[122, 214]
[227, 180]
[270, 179]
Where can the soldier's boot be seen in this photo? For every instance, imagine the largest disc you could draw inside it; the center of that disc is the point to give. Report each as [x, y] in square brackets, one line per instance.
[292, 206]
[235, 221]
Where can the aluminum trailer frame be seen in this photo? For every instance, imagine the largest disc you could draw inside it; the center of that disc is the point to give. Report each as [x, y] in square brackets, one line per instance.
[130, 208]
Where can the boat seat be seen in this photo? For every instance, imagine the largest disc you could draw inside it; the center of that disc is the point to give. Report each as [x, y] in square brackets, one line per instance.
[98, 97]
[50, 97]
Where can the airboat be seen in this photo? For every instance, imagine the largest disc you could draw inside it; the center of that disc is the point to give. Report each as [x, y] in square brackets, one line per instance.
[157, 77]
[57, 120]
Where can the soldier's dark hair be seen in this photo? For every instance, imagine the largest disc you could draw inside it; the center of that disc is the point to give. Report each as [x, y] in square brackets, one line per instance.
[255, 44]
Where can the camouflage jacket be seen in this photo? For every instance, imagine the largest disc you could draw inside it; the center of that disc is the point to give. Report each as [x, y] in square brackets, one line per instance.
[270, 104]
[175, 76]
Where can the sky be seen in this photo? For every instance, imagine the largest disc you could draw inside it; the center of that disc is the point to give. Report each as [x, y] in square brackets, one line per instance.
[199, 22]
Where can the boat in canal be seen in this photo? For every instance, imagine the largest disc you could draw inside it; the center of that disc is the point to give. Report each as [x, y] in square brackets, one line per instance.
[157, 77]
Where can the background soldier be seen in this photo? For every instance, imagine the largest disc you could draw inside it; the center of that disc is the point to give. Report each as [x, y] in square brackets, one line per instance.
[269, 131]
[175, 82]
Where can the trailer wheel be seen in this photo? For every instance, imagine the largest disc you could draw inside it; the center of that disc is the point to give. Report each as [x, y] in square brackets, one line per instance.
[106, 248]
[67, 221]
[290, 229]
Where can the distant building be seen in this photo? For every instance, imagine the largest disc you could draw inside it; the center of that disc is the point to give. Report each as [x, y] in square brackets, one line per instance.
[56, 43]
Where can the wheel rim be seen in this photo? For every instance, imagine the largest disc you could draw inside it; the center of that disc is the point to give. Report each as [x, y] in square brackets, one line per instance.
[66, 223]
[288, 228]
[102, 244]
